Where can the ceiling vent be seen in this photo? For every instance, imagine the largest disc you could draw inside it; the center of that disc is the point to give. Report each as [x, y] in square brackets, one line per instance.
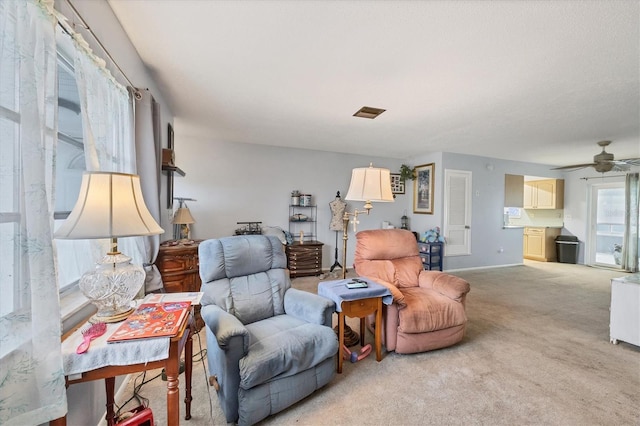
[369, 112]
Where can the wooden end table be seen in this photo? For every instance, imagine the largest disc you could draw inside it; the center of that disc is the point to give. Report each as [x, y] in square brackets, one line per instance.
[182, 341]
[357, 303]
[361, 308]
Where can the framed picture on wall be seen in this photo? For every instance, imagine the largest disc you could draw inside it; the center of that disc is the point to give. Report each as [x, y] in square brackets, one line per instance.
[423, 189]
[397, 185]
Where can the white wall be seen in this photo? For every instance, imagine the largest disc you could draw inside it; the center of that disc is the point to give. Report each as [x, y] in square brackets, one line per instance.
[246, 182]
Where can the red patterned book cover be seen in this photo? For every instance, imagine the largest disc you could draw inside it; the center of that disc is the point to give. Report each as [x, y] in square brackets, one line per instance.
[152, 320]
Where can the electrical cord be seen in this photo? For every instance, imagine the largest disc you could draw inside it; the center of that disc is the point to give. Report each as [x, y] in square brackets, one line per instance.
[198, 357]
[203, 356]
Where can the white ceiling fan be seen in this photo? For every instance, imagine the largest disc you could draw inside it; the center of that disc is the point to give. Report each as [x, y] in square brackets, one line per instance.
[604, 162]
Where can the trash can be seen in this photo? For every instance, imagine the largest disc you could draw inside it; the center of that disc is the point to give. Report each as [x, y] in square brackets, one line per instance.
[567, 248]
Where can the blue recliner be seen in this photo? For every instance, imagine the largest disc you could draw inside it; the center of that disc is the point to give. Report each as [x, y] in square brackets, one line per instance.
[268, 345]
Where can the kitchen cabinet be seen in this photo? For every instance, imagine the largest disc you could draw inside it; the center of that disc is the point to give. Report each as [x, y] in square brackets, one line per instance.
[513, 190]
[540, 243]
[179, 266]
[544, 194]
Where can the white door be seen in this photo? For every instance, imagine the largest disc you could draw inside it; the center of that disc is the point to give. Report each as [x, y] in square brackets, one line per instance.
[606, 224]
[457, 212]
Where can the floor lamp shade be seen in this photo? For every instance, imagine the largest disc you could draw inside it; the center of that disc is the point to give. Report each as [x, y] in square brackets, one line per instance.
[110, 205]
[370, 184]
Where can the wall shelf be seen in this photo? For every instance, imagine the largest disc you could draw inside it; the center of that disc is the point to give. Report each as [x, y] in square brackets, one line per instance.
[173, 169]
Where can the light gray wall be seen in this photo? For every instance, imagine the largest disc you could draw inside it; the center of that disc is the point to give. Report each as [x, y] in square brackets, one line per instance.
[235, 182]
[487, 233]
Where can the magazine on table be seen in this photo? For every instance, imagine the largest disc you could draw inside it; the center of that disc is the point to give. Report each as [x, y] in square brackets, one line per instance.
[151, 320]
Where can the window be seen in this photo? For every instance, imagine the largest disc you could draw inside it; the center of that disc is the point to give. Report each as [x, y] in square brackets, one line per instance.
[73, 257]
[70, 164]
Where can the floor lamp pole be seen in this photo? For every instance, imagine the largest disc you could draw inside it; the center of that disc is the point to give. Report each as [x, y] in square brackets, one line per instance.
[345, 237]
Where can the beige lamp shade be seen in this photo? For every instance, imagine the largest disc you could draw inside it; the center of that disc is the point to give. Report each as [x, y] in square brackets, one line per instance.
[183, 217]
[370, 184]
[110, 205]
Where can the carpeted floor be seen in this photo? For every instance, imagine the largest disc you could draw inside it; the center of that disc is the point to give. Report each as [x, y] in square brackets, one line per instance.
[536, 352]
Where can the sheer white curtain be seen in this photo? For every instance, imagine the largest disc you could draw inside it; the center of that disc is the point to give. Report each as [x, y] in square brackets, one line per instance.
[32, 384]
[632, 212]
[107, 122]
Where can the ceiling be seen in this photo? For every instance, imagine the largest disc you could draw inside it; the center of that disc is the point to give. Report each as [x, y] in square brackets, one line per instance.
[529, 81]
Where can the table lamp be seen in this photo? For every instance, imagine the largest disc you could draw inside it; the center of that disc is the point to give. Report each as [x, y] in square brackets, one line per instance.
[182, 219]
[110, 205]
[368, 184]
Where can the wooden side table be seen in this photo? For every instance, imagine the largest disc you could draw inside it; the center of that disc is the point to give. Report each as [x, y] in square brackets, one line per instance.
[357, 303]
[182, 341]
[361, 308]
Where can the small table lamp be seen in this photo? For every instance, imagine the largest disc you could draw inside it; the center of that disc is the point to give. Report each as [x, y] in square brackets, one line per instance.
[182, 219]
[368, 184]
[110, 205]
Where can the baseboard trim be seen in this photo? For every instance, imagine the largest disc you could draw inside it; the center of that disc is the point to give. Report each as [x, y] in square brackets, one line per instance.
[484, 267]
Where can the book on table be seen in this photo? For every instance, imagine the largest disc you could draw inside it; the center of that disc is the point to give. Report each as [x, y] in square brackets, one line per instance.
[192, 296]
[151, 320]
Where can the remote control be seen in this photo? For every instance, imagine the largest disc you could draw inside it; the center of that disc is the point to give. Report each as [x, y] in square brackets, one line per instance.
[356, 284]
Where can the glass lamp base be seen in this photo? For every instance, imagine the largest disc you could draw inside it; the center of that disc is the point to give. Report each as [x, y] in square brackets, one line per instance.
[111, 286]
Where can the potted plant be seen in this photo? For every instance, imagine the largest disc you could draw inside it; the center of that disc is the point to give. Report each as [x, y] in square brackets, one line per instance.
[407, 172]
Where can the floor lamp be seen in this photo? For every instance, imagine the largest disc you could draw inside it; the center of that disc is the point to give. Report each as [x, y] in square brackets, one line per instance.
[368, 184]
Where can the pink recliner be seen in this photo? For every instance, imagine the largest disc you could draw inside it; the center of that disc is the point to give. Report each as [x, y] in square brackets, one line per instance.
[428, 309]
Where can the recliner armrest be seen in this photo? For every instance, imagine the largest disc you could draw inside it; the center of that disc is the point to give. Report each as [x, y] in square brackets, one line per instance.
[453, 287]
[225, 327]
[308, 306]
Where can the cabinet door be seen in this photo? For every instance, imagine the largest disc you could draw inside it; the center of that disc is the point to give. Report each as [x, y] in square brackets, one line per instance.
[529, 193]
[513, 190]
[535, 245]
[546, 194]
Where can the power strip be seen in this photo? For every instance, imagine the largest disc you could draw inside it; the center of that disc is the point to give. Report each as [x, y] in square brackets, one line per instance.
[164, 373]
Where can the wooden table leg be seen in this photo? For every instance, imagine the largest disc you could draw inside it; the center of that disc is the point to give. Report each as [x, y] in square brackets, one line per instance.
[188, 369]
[378, 331]
[340, 339]
[362, 331]
[172, 368]
[110, 385]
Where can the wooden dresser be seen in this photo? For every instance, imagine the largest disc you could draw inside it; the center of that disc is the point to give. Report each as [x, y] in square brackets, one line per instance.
[179, 266]
[304, 259]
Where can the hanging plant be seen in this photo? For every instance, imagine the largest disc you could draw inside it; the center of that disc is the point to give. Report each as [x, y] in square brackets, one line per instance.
[407, 173]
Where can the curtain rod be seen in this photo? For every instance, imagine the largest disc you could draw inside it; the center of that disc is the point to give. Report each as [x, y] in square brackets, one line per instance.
[104, 49]
[603, 177]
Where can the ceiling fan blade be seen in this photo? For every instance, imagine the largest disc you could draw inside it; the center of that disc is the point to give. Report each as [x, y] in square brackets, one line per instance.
[629, 161]
[575, 166]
